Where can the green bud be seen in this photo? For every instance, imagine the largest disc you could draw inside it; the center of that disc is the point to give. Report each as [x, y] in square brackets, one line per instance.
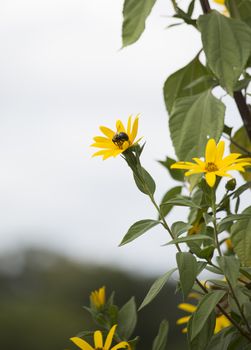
[230, 185]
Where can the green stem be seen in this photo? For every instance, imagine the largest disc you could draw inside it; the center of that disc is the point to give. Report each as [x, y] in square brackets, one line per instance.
[213, 206]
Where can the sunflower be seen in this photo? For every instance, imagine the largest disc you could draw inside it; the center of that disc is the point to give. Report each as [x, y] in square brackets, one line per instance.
[214, 164]
[98, 342]
[97, 297]
[116, 142]
[221, 320]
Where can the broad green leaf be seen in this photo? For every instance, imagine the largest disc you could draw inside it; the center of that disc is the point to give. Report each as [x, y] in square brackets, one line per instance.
[173, 192]
[203, 253]
[240, 9]
[161, 338]
[156, 288]
[144, 181]
[180, 227]
[222, 339]
[230, 219]
[206, 333]
[231, 268]
[180, 201]
[127, 319]
[193, 119]
[137, 229]
[176, 174]
[241, 138]
[188, 269]
[204, 310]
[190, 238]
[135, 13]
[227, 45]
[177, 85]
[241, 238]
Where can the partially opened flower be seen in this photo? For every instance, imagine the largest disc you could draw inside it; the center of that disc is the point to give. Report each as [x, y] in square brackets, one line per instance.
[221, 320]
[98, 342]
[116, 142]
[214, 163]
[97, 297]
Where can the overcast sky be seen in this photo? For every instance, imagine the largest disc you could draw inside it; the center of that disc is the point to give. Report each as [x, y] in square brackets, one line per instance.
[62, 75]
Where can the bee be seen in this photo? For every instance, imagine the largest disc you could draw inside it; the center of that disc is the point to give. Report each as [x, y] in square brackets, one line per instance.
[119, 138]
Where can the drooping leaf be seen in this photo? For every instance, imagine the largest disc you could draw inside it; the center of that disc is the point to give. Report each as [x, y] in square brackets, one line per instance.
[227, 46]
[135, 13]
[161, 338]
[127, 319]
[193, 119]
[241, 138]
[204, 310]
[176, 174]
[156, 288]
[188, 270]
[137, 229]
[241, 238]
[169, 195]
[177, 84]
[231, 268]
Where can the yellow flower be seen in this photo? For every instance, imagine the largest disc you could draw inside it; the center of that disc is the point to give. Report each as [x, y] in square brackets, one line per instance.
[116, 142]
[98, 342]
[97, 297]
[221, 320]
[214, 163]
[221, 2]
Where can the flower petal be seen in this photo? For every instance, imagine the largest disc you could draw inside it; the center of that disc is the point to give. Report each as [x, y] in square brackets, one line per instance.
[210, 179]
[104, 145]
[82, 344]
[107, 132]
[109, 338]
[184, 165]
[134, 132]
[200, 162]
[220, 151]
[210, 151]
[98, 340]
[187, 307]
[120, 126]
[122, 344]
[183, 320]
[129, 122]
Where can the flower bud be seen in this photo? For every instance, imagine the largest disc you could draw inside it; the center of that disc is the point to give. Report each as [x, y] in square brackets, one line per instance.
[230, 185]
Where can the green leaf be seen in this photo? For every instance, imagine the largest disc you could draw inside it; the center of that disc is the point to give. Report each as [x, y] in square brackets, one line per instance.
[229, 219]
[204, 253]
[176, 174]
[137, 229]
[231, 268]
[177, 84]
[227, 46]
[242, 189]
[241, 138]
[240, 9]
[161, 338]
[187, 266]
[180, 227]
[127, 319]
[191, 238]
[135, 13]
[169, 195]
[180, 201]
[156, 288]
[144, 181]
[204, 310]
[241, 238]
[193, 119]
[204, 336]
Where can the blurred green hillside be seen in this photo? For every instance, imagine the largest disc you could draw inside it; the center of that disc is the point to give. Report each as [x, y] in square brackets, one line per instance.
[42, 295]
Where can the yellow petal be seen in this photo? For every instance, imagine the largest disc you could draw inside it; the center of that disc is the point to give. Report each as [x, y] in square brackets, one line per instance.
[230, 159]
[220, 151]
[183, 320]
[82, 344]
[101, 153]
[109, 338]
[222, 173]
[184, 165]
[122, 344]
[120, 126]
[98, 340]
[129, 125]
[193, 171]
[184, 330]
[107, 132]
[103, 145]
[210, 179]
[210, 151]
[200, 162]
[221, 2]
[187, 307]
[134, 130]
[101, 139]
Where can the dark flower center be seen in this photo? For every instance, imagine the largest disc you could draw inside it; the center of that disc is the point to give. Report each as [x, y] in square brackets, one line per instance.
[119, 138]
[211, 167]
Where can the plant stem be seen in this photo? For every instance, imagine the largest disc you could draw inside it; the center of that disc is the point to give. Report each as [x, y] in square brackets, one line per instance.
[213, 205]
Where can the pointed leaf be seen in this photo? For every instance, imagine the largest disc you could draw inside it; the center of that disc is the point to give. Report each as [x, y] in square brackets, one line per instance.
[173, 192]
[161, 338]
[138, 229]
[127, 319]
[188, 270]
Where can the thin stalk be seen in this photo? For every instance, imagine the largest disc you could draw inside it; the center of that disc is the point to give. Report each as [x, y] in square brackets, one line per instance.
[213, 206]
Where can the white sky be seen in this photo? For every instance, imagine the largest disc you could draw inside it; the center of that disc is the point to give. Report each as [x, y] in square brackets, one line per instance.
[62, 75]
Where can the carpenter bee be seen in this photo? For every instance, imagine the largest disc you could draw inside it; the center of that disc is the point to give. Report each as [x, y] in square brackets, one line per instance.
[119, 138]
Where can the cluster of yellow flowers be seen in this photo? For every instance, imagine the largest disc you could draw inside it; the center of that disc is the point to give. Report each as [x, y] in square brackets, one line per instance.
[116, 142]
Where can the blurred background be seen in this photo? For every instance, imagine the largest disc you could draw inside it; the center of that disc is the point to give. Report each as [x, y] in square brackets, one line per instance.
[63, 74]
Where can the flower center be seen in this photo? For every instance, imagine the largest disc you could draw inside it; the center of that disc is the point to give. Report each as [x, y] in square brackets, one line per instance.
[211, 167]
[119, 138]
